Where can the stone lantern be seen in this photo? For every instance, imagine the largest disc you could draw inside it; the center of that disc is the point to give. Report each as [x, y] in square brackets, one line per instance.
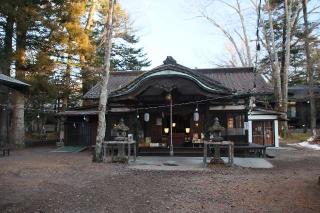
[121, 131]
[215, 131]
[215, 136]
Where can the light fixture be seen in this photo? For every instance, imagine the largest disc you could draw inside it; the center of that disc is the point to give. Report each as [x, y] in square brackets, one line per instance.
[197, 124]
[187, 130]
[85, 118]
[196, 115]
[174, 125]
[146, 117]
[168, 97]
[166, 130]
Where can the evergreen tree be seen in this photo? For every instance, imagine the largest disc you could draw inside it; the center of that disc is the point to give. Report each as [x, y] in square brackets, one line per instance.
[125, 57]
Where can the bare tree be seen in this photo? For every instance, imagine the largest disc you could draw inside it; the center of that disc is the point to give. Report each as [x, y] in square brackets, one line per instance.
[243, 55]
[97, 157]
[286, 65]
[310, 73]
[274, 59]
[280, 71]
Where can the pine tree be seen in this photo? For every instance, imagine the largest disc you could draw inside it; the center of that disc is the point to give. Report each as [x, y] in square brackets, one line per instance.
[125, 57]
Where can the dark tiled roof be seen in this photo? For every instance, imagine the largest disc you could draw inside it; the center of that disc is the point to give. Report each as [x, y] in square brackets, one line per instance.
[301, 92]
[175, 68]
[13, 83]
[117, 80]
[237, 79]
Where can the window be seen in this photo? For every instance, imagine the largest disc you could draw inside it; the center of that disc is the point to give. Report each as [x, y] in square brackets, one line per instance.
[235, 120]
[292, 112]
[230, 122]
[235, 124]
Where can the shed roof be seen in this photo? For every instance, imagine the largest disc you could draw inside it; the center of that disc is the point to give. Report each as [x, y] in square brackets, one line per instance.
[301, 92]
[13, 83]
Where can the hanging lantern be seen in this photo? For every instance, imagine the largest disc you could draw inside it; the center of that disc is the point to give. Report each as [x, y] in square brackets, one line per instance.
[86, 118]
[168, 97]
[146, 117]
[196, 115]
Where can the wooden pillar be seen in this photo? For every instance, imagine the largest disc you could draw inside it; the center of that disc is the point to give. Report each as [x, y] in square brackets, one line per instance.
[171, 142]
[246, 119]
[276, 133]
[250, 139]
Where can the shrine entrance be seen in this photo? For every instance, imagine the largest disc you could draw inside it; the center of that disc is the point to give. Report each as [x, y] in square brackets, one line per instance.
[167, 113]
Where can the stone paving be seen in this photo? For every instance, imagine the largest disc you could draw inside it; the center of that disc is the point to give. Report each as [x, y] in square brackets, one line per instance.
[192, 163]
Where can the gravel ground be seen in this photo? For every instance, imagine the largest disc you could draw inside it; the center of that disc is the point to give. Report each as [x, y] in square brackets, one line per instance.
[35, 180]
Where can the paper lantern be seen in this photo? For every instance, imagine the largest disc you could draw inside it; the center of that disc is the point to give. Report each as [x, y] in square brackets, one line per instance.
[187, 130]
[86, 118]
[146, 117]
[168, 97]
[196, 115]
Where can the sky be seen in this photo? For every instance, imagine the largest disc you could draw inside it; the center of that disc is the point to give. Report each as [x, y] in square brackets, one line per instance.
[172, 28]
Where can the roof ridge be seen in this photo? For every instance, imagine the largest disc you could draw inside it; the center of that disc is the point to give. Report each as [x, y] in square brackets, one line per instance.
[225, 69]
[128, 72]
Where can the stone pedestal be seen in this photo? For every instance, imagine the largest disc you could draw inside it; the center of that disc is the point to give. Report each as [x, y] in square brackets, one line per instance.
[216, 157]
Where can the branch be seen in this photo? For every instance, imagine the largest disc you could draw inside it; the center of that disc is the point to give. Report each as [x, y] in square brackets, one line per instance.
[228, 35]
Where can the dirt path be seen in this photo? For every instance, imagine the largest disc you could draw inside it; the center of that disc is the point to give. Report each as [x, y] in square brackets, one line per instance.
[35, 180]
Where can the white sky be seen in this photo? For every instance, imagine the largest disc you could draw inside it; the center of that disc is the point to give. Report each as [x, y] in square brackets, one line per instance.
[171, 27]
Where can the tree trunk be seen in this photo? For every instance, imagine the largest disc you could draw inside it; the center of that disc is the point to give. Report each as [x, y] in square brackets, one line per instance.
[67, 78]
[83, 60]
[101, 131]
[17, 126]
[5, 62]
[21, 48]
[67, 82]
[310, 72]
[286, 65]
[274, 63]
